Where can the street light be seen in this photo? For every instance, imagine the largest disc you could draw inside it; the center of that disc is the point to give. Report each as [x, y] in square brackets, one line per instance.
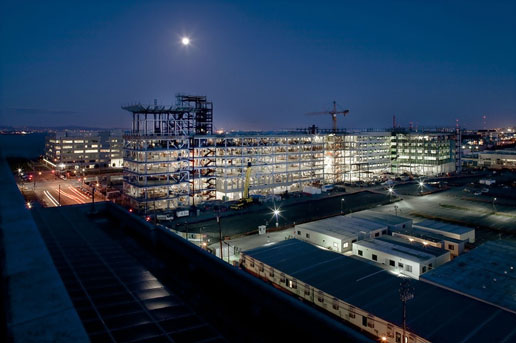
[341, 203]
[494, 208]
[276, 212]
[390, 193]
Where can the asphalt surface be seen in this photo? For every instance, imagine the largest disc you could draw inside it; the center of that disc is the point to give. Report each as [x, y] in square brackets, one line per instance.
[303, 210]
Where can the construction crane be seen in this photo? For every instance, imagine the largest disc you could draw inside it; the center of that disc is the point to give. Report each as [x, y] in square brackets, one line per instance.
[246, 199]
[333, 113]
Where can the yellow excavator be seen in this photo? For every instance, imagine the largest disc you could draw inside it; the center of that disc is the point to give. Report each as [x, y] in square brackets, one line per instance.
[246, 199]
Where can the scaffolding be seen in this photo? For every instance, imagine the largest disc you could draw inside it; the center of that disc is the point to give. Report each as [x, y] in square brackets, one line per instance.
[172, 159]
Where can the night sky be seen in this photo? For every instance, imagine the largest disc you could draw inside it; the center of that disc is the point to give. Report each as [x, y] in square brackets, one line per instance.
[264, 64]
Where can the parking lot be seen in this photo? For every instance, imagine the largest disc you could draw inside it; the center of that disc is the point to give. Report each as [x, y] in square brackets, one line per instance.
[291, 211]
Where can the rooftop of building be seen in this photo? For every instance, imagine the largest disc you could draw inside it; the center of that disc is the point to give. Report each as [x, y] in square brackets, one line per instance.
[131, 281]
[375, 290]
[344, 226]
[498, 152]
[38, 305]
[426, 235]
[452, 228]
[381, 218]
[413, 251]
[486, 272]
[85, 133]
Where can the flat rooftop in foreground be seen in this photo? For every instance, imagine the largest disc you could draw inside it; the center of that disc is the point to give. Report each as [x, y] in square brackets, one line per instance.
[116, 297]
[435, 313]
[487, 272]
[432, 224]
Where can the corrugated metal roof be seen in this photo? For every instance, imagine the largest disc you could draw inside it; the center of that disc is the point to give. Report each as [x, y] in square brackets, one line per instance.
[412, 251]
[343, 226]
[381, 218]
[432, 224]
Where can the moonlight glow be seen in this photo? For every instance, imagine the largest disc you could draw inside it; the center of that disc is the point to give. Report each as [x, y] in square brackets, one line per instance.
[185, 41]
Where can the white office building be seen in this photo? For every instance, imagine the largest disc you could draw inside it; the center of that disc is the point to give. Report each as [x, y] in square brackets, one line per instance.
[338, 233]
[399, 256]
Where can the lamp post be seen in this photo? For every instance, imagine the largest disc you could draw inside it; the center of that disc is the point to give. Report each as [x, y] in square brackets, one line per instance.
[341, 204]
[396, 209]
[406, 293]
[494, 208]
[390, 193]
[421, 185]
[276, 212]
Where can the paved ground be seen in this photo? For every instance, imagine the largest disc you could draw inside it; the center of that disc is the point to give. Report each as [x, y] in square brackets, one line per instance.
[50, 190]
[246, 221]
[453, 205]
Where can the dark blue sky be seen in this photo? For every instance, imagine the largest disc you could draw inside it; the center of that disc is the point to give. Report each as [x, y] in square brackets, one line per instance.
[263, 64]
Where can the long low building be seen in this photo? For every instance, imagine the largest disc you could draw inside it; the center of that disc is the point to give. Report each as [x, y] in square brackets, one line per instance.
[401, 256]
[367, 297]
[392, 222]
[454, 246]
[338, 233]
[448, 230]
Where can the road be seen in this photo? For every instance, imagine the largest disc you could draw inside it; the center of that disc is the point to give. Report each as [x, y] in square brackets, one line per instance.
[51, 191]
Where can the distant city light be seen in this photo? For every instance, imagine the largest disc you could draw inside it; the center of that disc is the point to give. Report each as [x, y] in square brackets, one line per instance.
[185, 41]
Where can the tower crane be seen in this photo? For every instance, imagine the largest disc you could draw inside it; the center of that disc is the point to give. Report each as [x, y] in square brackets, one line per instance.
[333, 112]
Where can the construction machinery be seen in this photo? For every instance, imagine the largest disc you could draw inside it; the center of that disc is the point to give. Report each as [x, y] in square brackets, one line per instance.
[333, 112]
[246, 200]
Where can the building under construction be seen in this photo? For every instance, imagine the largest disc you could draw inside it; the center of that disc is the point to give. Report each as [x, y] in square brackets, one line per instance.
[172, 158]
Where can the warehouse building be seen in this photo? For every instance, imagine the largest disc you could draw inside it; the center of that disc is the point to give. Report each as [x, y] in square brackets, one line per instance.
[367, 297]
[338, 233]
[401, 256]
[392, 222]
[173, 157]
[74, 150]
[454, 246]
[458, 232]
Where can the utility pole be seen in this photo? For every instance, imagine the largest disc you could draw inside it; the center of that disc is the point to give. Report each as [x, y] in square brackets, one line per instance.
[93, 200]
[406, 293]
[220, 236]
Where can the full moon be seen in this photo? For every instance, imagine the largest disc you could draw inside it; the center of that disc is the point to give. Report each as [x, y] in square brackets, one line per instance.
[185, 41]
